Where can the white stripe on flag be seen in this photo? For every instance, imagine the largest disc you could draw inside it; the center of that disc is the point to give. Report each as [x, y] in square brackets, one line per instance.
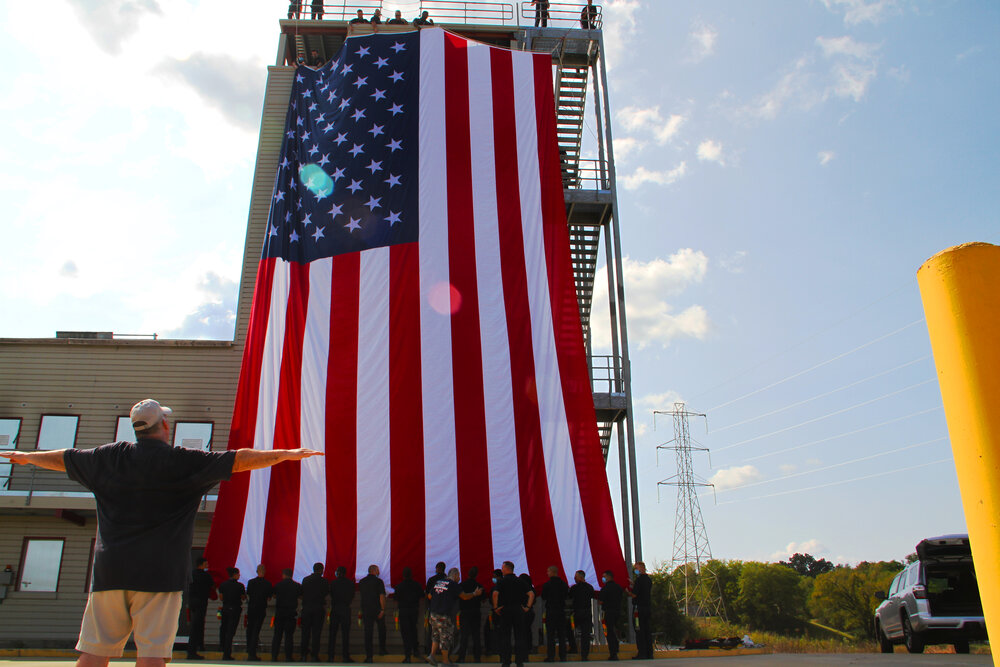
[374, 492]
[505, 499]
[252, 537]
[560, 468]
[311, 541]
[440, 466]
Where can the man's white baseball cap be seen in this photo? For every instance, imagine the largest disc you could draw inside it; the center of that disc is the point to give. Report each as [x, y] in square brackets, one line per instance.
[147, 414]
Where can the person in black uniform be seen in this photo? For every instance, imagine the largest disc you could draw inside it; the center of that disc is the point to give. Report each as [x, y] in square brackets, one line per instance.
[471, 618]
[314, 591]
[259, 591]
[528, 623]
[294, 10]
[581, 595]
[341, 595]
[397, 19]
[232, 593]
[588, 16]
[438, 575]
[554, 592]
[372, 590]
[360, 18]
[408, 594]
[286, 607]
[510, 603]
[423, 19]
[541, 12]
[490, 627]
[642, 601]
[376, 17]
[201, 588]
[611, 597]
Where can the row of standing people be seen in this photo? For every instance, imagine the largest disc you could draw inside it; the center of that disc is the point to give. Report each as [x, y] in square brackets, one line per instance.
[508, 624]
[296, 9]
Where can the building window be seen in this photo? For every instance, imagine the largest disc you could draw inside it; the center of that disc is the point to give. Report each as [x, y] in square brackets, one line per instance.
[57, 431]
[193, 435]
[90, 565]
[40, 562]
[124, 430]
[9, 429]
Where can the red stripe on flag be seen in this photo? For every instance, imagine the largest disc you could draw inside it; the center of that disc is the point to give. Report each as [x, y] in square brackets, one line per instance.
[406, 431]
[474, 532]
[224, 537]
[280, 526]
[342, 416]
[540, 540]
[577, 397]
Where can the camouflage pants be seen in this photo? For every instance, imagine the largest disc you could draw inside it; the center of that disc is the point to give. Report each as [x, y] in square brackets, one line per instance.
[443, 630]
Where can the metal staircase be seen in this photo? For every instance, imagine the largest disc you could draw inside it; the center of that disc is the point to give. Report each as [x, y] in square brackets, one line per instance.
[571, 98]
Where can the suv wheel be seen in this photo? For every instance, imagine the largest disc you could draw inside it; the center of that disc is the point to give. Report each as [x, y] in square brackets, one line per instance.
[962, 646]
[884, 643]
[914, 641]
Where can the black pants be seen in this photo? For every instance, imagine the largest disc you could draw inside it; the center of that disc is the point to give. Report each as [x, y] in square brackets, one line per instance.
[317, 11]
[512, 623]
[490, 634]
[542, 13]
[585, 625]
[340, 619]
[644, 633]
[469, 623]
[312, 631]
[611, 630]
[255, 621]
[370, 620]
[196, 636]
[227, 628]
[284, 626]
[570, 635]
[408, 630]
[555, 630]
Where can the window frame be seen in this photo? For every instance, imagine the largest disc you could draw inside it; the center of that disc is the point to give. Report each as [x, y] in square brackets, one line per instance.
[24, 554]
[118, 419]
[20, 424]
[41, 421]
[90, 565]
[173, 432]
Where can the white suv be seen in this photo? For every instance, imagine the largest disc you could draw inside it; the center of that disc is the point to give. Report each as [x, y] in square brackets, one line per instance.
[934, 600]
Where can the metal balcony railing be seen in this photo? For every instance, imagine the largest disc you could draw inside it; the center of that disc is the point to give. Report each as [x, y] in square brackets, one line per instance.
[606, 374]
[561, 15]
[558, 14]
[586, 175]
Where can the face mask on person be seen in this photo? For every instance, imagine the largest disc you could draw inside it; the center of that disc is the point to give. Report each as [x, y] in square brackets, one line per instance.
[604, 579]
[636, 570]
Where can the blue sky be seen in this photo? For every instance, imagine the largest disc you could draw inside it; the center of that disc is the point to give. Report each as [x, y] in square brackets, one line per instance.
[784, 168]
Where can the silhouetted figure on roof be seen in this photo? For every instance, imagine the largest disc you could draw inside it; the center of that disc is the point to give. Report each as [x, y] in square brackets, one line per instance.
[423, 19]
[294, 9]
[317, 10]
[360, 18]
[541, 12]
[398, 19]
[588, 16]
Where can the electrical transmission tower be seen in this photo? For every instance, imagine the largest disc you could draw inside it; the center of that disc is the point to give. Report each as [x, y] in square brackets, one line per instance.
[701, 594]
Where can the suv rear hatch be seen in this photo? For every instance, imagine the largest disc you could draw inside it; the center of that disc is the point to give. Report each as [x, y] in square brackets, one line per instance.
[950, 576]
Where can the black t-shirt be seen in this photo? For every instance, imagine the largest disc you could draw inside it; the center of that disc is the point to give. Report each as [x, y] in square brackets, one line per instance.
[232, 591]
[472, 604]
[201, 587]
[342, 591]
[512, 594]
[611, 598]
[371, 588]
[286, 597]
[147, 497]
[433, 580]
[444, 595]
[643, 589]
[259, 590]
[408, 594]
[582, 594]
[314, 591]
[554, 592]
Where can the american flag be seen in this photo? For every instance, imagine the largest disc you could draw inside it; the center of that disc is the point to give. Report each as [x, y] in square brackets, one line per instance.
[415, 317]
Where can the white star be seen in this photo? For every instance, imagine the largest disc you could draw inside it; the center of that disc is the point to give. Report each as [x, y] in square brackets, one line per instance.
[273, 231]
[336, 210]
[396, 76]
[396, 108]
[358, 114]
[344, 102]
[305, 136]
[314, 149]
[353, 224]
[306, 220]
[285, 162]
[338, 174]
[378, 94]
[354, 186]
[362, 81]
[329, 126]
[321, 118]
[397, 47]
[290, 134]
[318, 234]
[293, 237]
[363, 51]
[280, 196]
[323, 161]
[341, 138]
[288, 216]
[299, 121]
[326, 87]
[307, 92]
[347, 68]
[299, 79]
[358, 148]
[393, 218]
[313, 107]
[381, 62]
[329, 98]
[374, 166]
[393, 180]
[374, 202]
[394, 145]
[321, 194]
[376, 130]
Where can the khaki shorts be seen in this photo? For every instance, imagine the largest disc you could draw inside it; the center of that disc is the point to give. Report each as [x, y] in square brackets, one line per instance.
[111, 616]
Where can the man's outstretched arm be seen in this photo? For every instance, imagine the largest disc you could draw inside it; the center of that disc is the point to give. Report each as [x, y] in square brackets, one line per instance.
[253, 459]
[50, 460]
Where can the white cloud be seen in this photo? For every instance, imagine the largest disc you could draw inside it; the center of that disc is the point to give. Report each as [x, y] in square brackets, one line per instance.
[863, 11]
[825, 157]
[846, 46]
[215, 316]
[853, 68]
[971, 51]
[812, 547]
[730, 478]
[635, 119]
[793, 87]
[69, 269]
[625, 147]
[651, 319]
[661, 401]
[711, 151]
[642, 175]
[787, 468]
[619, 27]
[702, 42]
[733, 263]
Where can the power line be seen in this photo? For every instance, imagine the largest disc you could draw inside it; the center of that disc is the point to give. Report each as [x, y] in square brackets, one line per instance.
[827, 416]
[823, 395]
[842, 435]
[843, 481]
[819, 365]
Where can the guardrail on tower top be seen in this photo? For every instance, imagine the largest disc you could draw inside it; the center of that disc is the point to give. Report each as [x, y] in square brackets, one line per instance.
[541, 13]
[562, 14]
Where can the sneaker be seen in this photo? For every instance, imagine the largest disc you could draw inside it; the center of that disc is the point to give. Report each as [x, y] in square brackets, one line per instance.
[429, 659]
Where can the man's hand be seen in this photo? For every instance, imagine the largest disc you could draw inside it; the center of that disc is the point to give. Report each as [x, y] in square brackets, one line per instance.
[254, 459]
[299, 454]
[20, 458]
[50, 460]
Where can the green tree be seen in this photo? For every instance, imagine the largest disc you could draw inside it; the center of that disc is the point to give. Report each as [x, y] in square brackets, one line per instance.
[844, 598]
[807, 565]
[771, 597]
[669, 625]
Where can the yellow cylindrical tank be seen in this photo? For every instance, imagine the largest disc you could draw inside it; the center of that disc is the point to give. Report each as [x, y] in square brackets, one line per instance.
[960, 288]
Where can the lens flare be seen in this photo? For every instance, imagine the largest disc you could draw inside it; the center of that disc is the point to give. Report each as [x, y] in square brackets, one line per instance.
[316, 180]
[444, 298]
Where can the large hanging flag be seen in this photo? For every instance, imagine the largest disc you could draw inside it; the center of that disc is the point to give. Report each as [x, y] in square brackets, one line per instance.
[415, 317]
